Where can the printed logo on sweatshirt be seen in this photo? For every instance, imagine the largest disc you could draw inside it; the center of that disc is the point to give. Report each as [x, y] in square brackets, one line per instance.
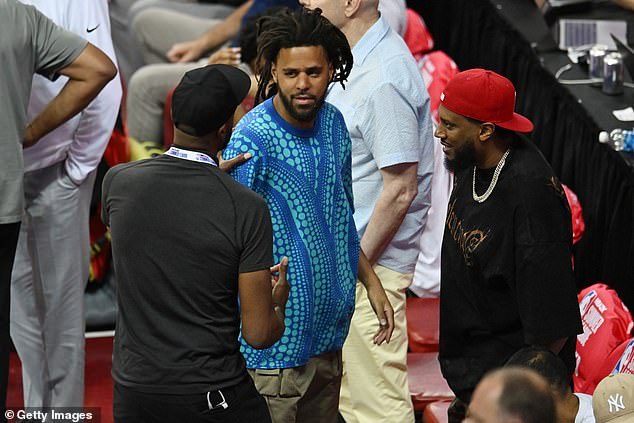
[468, 240]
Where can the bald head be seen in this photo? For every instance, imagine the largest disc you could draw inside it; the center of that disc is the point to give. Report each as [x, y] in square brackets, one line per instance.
[353, 17]
[512, 395]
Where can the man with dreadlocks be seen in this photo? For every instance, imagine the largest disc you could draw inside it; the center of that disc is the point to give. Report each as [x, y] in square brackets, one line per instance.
[301, 166]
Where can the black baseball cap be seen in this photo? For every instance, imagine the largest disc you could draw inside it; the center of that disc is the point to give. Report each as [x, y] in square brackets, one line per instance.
[207, 97]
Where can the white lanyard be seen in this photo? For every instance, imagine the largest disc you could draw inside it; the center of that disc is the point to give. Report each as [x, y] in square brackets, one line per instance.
[193, 156]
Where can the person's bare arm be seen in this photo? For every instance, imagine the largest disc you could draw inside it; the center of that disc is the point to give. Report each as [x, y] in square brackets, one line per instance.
[262, 303]
[378, 300]
[87, 74]
[215, 36]
[400, 187]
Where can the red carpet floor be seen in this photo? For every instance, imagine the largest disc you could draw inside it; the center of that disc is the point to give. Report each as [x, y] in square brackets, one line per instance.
[98, 382]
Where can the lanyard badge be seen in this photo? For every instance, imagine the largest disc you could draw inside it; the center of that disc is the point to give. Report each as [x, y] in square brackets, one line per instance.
[193, 156]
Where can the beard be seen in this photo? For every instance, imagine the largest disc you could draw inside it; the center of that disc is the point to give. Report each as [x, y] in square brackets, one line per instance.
[464, 157]
[304, 114]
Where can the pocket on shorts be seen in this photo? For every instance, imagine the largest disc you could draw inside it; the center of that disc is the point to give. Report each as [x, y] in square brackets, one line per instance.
[281, 383]
[338, 368]
[289, 386]
[267, 381]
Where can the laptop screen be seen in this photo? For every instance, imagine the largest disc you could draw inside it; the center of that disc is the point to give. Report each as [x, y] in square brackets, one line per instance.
[588, 32]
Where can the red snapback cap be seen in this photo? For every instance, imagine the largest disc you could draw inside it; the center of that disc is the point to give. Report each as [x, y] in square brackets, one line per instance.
[485, 96]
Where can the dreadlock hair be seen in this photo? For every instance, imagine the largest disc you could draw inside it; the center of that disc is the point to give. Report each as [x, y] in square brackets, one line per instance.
[299, 28]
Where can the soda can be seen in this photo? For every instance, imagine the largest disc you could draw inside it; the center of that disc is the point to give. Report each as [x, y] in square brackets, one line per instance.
[595, 60]
[613, 73]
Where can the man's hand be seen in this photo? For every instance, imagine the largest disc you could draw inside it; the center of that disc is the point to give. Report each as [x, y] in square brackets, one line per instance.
[215, 37]
[279, 285]
[384, 313]
[227, 165]
[226, 56]
[185, 52]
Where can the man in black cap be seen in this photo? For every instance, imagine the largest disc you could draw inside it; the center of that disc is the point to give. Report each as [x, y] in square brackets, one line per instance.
[187, 242]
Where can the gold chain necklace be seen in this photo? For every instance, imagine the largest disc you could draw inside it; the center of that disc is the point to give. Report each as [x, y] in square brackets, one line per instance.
[482, 198]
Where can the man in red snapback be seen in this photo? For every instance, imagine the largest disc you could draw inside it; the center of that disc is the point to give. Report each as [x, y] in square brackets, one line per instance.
[506, 279]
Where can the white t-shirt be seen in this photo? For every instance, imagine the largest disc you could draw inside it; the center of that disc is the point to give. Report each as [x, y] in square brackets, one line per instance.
[585, 413]
[81, 141]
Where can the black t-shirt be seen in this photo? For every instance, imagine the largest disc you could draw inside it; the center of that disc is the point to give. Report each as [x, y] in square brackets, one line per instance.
[507, 278]
[181, 232]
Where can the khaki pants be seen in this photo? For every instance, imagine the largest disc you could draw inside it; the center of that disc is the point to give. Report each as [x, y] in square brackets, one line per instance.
[374, 386]
[304, 394]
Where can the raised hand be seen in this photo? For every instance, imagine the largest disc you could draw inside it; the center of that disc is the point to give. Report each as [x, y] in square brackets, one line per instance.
[279, 286]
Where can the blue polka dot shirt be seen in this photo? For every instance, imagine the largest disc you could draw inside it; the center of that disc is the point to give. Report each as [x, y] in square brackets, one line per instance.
[304, 175]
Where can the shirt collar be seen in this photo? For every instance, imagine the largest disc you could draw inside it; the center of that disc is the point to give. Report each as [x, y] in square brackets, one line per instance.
[370, 40]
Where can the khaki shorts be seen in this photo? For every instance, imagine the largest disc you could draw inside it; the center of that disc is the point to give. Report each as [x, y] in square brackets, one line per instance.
[304, 394]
